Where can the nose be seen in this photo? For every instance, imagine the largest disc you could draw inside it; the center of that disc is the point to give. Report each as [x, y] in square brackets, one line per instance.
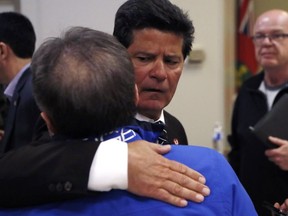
[158, 71]
[267, 40]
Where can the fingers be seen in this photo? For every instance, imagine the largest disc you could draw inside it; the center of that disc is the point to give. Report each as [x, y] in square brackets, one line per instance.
[178, 167]
[185, 182]
[276, 151]
[277, 205]
[183, 169]
[279, 156]
[160, 149]
[283, 207]
[152, 175]
[281, 164]
[286, 204]
[179, 183]
[178, 187]
[277, 141]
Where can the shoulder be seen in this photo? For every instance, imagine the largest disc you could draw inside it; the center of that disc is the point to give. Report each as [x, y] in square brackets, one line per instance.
[24, 84]
[216, 169]
[254, 81]
[195, 156]
[169, 118]
[26, 76]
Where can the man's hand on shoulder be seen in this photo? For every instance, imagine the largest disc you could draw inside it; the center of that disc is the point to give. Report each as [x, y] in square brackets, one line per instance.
[152, 175]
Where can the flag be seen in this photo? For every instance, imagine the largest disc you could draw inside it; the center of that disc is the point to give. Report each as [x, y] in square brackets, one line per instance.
[246, 64]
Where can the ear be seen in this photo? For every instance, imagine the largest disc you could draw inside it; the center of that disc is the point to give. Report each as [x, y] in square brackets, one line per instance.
[4, 50]
[136, 95]
[48, 122]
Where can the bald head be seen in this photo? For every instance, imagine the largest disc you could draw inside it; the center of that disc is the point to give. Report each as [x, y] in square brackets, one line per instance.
[271, 45]
[272, 20]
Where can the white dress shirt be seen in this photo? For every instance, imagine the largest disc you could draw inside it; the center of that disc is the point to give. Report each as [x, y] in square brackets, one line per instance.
[109, 169]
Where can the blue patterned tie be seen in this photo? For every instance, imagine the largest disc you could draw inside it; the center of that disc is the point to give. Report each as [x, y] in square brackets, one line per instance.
[163, 138]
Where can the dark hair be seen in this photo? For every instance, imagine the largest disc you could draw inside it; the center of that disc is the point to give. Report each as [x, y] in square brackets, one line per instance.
[84, 81]
[159, 14]
[17, 31]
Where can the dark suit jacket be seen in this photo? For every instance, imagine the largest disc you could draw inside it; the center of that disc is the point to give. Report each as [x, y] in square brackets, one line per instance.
[45, 172]
[175, 130]
[52, 171]
[22, 115]
[3, 106]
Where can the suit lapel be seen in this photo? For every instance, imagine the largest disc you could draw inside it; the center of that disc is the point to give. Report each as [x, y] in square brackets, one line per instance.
[12, 110]
[170, 128]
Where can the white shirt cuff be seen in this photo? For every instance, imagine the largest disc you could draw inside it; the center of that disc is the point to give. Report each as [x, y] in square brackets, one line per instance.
[109, 169]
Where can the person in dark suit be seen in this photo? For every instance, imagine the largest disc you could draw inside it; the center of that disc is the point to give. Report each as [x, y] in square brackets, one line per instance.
[3, 110]
[17, 44]
[158, 45]
[158, 57]
[105, 94]
[175, 130]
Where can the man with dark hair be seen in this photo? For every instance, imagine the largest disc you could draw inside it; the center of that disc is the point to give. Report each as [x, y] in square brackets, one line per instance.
[158, 55]
[158, 36]
[17, 44]
[95, 79]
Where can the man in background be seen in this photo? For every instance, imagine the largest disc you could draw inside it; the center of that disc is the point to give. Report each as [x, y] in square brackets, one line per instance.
[261, 175]
[17, 44]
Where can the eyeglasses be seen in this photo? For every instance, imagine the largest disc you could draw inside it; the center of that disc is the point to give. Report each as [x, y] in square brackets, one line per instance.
[277, 37]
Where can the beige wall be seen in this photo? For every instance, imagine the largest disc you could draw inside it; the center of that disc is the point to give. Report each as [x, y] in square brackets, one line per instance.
[205, 90]
[264, 5]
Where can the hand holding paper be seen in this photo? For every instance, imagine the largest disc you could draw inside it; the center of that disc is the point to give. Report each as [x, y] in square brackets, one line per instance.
[274, 123]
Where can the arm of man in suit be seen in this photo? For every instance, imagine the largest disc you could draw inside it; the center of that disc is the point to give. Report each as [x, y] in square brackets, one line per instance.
[56, 171]
[49, 172]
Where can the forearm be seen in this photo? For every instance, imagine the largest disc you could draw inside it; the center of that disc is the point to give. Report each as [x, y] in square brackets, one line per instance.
[44, 173]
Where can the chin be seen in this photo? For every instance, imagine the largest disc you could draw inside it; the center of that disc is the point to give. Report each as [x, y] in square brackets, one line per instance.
[269, 64]
[151, 107]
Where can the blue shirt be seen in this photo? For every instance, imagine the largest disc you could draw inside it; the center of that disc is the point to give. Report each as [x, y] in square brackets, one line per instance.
[9, 90]
[227, 198]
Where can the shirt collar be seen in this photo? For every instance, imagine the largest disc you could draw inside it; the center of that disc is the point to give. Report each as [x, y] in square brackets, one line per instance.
[141, 117]
[9, 91]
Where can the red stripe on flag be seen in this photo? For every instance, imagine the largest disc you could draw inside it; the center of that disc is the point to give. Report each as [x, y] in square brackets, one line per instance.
[246, 53]
[242, 10]
[246, 61]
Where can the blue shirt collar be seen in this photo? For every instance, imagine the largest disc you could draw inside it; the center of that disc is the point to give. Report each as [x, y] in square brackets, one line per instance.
[9, 91]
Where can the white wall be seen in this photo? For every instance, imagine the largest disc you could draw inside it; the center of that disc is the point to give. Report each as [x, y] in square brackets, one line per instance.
[199, 100]
[51, 17]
